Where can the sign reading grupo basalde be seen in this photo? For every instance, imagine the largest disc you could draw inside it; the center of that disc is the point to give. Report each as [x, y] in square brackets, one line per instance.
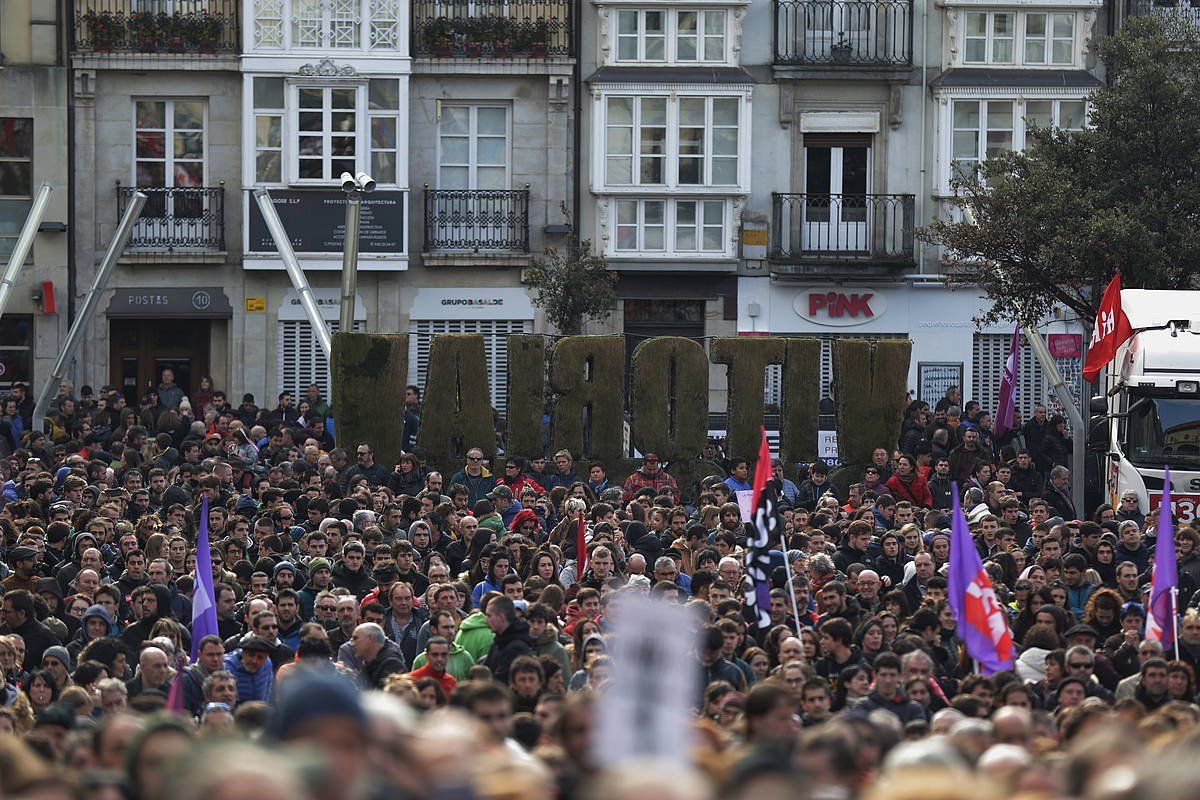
[582, 380]
[315, 219]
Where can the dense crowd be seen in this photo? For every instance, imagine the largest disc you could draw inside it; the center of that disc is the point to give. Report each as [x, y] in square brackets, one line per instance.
[394, 630]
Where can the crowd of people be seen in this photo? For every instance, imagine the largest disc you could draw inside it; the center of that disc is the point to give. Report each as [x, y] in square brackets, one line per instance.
[401, 630]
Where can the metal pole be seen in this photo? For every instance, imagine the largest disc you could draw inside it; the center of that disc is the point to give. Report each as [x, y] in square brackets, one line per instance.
[350, 261]
[88, 309]
[1078, 441]
[24, 242]
[284, 245]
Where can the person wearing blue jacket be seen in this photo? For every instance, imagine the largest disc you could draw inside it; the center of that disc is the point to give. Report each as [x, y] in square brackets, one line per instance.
[251, 666]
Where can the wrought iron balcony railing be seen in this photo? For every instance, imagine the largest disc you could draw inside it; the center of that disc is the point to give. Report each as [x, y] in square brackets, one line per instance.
[177, 219]
[843, 227]
[511, 29]
[157, 26]
[477, 220]
[849, 33]
[1177, 14]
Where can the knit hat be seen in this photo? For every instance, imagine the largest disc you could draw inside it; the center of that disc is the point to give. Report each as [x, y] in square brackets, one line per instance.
[245, 503]
[310, 696]
[281, 566]
[59, 652]
[315, 564]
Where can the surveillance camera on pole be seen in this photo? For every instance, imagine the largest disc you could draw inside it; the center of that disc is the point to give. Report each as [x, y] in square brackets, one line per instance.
[355, 186]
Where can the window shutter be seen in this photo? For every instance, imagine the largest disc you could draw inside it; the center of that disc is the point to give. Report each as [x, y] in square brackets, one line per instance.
[990, 351]
[495, 347]
[301, 360]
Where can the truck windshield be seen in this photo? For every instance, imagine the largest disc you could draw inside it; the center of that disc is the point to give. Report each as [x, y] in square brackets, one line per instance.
[1164, 430]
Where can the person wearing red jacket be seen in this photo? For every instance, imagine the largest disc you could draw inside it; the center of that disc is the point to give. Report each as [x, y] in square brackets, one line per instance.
[437, 656]
[650, 475]
[907, 483]
[514, 477]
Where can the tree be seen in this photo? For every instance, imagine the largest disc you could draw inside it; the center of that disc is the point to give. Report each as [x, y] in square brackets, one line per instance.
[1051, 225]
[572, 286]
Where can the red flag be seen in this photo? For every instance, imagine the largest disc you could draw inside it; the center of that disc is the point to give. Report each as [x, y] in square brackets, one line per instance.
[581, 554]
[1109, 331]
[762, 469]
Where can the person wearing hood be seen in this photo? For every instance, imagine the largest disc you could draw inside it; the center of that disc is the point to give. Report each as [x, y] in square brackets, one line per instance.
[474, 634]
[151, 603]
[512, 637]
[97, 624]
[77, 545]
[351, 572]
[644, 541]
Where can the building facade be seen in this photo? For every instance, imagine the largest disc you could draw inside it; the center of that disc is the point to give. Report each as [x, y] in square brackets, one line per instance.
[33, 151]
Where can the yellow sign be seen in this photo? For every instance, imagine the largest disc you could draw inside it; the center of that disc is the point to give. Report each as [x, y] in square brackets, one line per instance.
[754, 236]
[256, 305]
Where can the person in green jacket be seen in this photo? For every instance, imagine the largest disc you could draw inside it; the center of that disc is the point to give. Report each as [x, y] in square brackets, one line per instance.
[541, 620]
[459, 665]
[489, 518]
[474, 635]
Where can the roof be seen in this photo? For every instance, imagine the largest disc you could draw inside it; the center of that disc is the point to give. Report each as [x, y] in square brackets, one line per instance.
[1024, 78]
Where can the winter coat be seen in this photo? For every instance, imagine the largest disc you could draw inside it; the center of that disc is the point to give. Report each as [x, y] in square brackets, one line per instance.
[475, 636]
[512, 642]
[387, 662]
[915, 490]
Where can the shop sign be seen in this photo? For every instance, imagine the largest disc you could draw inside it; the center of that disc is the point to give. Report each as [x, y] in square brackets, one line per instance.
[316, 222]
[840, 308]
[1065, 345]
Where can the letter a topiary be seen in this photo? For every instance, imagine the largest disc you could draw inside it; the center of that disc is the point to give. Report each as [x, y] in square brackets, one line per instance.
[526, 394]
[801, 389]
[747, 358]
[368, 372]
[670, 400]
[457, 409]
[587, 374]
[871, 380]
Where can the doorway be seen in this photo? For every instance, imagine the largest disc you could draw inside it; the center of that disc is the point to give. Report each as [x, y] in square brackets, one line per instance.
[140, 349]
[837, 169]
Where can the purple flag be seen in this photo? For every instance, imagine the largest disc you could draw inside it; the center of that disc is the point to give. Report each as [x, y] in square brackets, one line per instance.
[1008, 387]
[1160, 622]
[204, 607]
[982, 624]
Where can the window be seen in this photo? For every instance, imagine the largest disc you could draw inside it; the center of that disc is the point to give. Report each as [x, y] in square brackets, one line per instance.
[495, 345]
[326, 130]
[169, 146]
[1049, 38]
[301, 359]
[327, 24]
[16, 350]
[671, 141]
[671, 36]
[671, 227]
[990, 37]
[16, 178]
[473, 147]
[981, 129]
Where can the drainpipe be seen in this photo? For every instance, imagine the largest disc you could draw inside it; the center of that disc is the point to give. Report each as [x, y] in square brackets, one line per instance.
[577, 110]
[72, 277]
[923, 190]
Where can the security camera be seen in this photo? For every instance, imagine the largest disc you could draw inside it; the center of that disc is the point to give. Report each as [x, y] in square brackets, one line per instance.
[365, 182]
[348, 183]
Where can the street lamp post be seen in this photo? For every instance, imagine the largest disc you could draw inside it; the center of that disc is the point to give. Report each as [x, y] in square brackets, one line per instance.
[355, 186]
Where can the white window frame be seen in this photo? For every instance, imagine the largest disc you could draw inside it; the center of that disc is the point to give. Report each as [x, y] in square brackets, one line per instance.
[671, 36]
[1019, 38]
[169, 131]
[1020, 124]
[361, 139]
[18, 203]
[289, 116]
[670, 248]
[473, 141]
[380, 26]
[671, 150]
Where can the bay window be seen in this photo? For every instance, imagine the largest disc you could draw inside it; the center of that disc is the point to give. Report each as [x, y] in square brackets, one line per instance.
[671, 36]
[1024, 38]
[311, 133]
[671, 227]
[669, 141]
[328, 24]
[982, 129]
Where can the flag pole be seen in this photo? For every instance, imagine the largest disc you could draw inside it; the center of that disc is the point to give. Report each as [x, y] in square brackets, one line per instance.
[1175, 619]
[792, 594]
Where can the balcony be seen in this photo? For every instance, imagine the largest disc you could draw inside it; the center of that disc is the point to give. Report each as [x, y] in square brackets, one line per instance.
[187, 221]
[844, 34]
[477, 226]
[1181, 14]
[810, 233]
[505, 31]
[196, 27]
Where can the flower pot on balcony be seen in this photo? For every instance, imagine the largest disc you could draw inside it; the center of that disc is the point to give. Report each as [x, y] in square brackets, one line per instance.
[539, 49]
[502, 50]
[841, 53]
[474, 49]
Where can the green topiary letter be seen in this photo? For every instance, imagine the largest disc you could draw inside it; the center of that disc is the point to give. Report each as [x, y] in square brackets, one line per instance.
[871, 379]
[747, 358]
[368, 372]
[801, 390]
[670, 398]
[587, 376]
[526, 394]
[457, 407]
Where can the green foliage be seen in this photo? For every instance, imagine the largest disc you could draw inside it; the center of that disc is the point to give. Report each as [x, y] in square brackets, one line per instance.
[1051, 225]
[871, 380]
[801, 399]
[457, 412]
[526, 394]
[587, 376]
[670, 398]
[747, 358]
[572, 286]
[369, 371]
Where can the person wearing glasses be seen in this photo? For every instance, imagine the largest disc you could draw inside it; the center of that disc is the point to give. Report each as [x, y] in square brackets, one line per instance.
[365, 466]
[473, 476]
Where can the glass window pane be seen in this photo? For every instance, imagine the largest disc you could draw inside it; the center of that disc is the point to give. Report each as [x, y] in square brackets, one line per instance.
[151, 145]
[189, 173]
[311, 121]
[456, 150]
[312, 98]
[1000, 114]
[267, 167]
[685, 238]
[491, 150]
[343, 145]
[714, 213]
[268, 92]
[627, 212]
[493, 121]
[151, 114]
[725, 141]
[966, 114]
[619, 170]
[976, 24]
[714, 22]
[966, 144]
[338, 166]
[686, 22]
[627, 22]
[16, 178]
[1035, 51]
[344, 121]
[691, 110]
[998, 142]
[1072, 114]
[654, 239]
[655, 22]
[714, 48]
[724, 171]
[713, 239]
[151, 173]
[454, 177]
[656, 48]
[620, 111]
[343, 98]
[189, 115]
[491, 178]
[725, 111]
[1064, 25]
[16, 137]
[1039, 112]
[685, 213]
[1002, 51]
[456, 119]
[626, 237]
[1064, 51]
[1035, 24]
[189, 144]
[654, 212]
[311, 145]
[654, 111]
[650, 170]
[383, 167]
[976, 50]
[653, 141]
[1002, 25]
[383, 94]
[620, 140]
[627, 48]
[383, 133]
[685, 49]
[268, 131]
[691, 141]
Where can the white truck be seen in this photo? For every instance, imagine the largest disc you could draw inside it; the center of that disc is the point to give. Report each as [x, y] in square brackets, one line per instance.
[1148, 414]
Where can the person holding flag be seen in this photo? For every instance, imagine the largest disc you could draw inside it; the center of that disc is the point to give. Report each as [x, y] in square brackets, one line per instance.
[762, 535]
[1006, 403]
[982, 622]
